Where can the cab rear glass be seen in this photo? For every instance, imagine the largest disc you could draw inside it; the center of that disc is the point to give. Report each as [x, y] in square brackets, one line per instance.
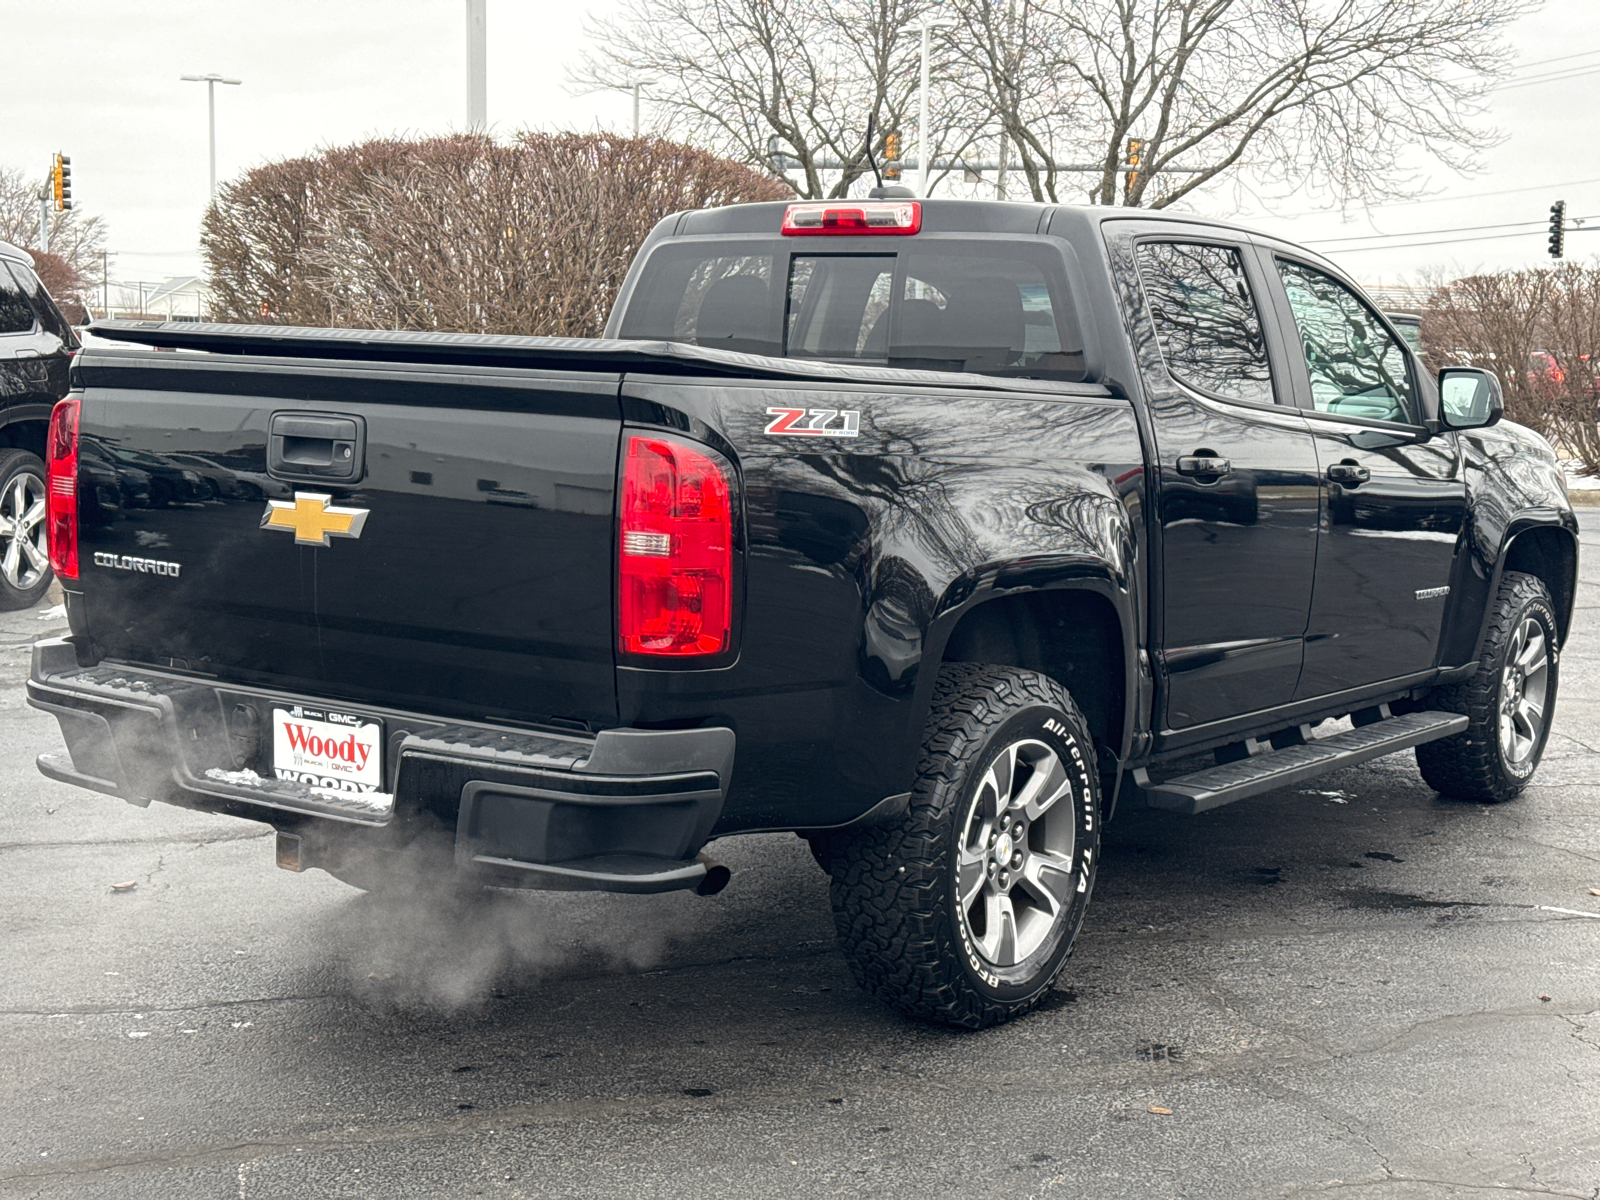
[992, 306]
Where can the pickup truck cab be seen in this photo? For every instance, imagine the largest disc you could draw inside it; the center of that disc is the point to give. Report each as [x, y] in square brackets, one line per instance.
[933, 531]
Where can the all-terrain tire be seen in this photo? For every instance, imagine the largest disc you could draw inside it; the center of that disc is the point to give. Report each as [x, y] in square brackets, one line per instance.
[25, 573]
[1475, 764]
[896, 889]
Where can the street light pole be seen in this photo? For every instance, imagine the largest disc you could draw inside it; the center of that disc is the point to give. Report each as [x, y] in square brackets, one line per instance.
[211, 82]
[924, 145]
[477, 67]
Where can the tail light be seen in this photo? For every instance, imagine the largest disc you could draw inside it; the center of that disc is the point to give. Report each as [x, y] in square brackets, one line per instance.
[61, 488]
[852, 216]
[675, 582]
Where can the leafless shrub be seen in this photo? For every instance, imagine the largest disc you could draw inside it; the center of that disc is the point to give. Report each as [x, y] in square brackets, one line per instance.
[1539, 330]
[458, 233]
[1572, 340]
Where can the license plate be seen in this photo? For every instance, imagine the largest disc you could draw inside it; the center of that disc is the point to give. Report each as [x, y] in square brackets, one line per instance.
[336, 751]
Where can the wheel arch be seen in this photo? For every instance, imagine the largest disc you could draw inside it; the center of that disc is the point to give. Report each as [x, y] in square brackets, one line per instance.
[26, 432]
[1077, 633]
[1549, 552]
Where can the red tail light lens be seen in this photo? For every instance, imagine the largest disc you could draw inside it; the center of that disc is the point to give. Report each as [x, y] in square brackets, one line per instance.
[852, 216]
[676, 550]
[61, 488]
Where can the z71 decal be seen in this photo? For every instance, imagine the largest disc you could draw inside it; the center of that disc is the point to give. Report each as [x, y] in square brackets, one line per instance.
[814, 422]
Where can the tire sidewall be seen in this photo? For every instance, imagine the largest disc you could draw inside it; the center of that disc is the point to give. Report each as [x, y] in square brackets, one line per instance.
[1537, 607]
[1066, 734]
[13, 598]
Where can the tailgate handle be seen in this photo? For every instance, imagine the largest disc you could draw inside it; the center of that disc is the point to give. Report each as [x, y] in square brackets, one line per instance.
[316, 446]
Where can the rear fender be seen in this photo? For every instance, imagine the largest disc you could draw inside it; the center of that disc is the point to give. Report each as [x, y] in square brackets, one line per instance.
[1071, 617]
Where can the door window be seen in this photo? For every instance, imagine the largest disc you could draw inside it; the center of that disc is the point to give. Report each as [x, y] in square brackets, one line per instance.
[1358, 368]
[1206, 319]
[15, 314]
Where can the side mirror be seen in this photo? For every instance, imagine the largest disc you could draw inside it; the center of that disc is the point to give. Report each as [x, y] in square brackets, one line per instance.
[1469, 398]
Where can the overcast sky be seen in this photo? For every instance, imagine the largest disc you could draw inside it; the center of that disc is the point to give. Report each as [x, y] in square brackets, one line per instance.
[98, 79]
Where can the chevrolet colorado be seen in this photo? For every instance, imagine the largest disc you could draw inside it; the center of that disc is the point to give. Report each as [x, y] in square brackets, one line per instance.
[929, 530]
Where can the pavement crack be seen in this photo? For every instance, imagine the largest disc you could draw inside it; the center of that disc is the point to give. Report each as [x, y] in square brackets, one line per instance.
[242, 836]
[110, 1010]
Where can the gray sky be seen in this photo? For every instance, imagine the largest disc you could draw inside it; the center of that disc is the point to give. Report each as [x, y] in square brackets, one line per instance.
[98, 79]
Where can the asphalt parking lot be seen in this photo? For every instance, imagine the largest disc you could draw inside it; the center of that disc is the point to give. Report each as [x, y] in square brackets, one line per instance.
[1352, 989]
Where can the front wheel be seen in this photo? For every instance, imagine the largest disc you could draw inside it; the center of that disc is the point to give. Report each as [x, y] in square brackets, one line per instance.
[1509, 701]
[964, 911]
[24, 552]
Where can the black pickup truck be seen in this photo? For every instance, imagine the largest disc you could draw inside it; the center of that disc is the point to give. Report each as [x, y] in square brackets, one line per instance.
[931, 531]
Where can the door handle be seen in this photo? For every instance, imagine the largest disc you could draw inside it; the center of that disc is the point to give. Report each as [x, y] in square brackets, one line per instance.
[316, 446]
[1203, 464]
[1350, 474]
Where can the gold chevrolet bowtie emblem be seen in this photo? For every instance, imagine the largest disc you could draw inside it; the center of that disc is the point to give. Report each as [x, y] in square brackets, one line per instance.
[312, 519]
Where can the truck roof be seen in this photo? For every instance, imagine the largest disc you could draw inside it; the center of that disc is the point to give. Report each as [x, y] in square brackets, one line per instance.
[957, 216]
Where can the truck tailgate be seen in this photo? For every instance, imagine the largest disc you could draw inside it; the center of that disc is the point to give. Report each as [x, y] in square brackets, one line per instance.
[480, 581]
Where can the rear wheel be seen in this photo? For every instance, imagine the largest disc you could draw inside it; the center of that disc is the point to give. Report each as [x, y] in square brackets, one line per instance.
[1509, 701]
[964, 911]
[24, 553]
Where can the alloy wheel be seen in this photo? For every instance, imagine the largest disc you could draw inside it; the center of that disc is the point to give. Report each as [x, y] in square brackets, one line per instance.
[1014, 877]
[1524, 684]
[24, 553]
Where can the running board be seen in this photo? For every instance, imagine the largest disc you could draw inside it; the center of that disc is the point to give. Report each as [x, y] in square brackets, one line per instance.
[1271, 769]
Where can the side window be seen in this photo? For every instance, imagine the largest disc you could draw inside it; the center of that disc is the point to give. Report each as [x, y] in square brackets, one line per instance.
[15, 314]
[1357, 367]
[1206, 319]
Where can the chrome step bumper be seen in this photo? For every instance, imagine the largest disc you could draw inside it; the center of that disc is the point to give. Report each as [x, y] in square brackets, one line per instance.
[621, 810]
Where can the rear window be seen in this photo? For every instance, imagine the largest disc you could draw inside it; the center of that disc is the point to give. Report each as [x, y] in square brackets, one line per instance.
[43, 307]
[15, 315]
[997, 308]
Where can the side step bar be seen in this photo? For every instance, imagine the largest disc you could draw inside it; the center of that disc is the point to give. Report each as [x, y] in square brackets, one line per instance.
[1272, 769]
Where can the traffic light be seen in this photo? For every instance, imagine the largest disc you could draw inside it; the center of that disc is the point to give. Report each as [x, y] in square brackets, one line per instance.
[1558, 228]
[61, 181]
[891, 156]
[1135, 156]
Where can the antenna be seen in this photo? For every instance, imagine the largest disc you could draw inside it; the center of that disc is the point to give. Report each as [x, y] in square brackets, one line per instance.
[872, 162]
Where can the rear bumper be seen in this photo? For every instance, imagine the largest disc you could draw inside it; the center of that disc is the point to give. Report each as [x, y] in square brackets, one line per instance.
[622, 810]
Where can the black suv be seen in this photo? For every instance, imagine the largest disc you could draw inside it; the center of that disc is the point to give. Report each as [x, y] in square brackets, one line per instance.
[36, 344]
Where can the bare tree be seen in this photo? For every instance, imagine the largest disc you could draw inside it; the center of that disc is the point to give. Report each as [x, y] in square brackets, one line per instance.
[459, 233]
[1326, 92]
[75, 237]
[806, 77]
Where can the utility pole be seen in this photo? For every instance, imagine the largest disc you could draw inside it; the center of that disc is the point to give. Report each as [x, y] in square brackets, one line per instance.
[637, 85]
[477, 66]
[211, 82]
[924, 143]
[105, 287]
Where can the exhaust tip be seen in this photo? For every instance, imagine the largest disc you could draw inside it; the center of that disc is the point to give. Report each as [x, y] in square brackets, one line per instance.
[290, 857]
[716, 879]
